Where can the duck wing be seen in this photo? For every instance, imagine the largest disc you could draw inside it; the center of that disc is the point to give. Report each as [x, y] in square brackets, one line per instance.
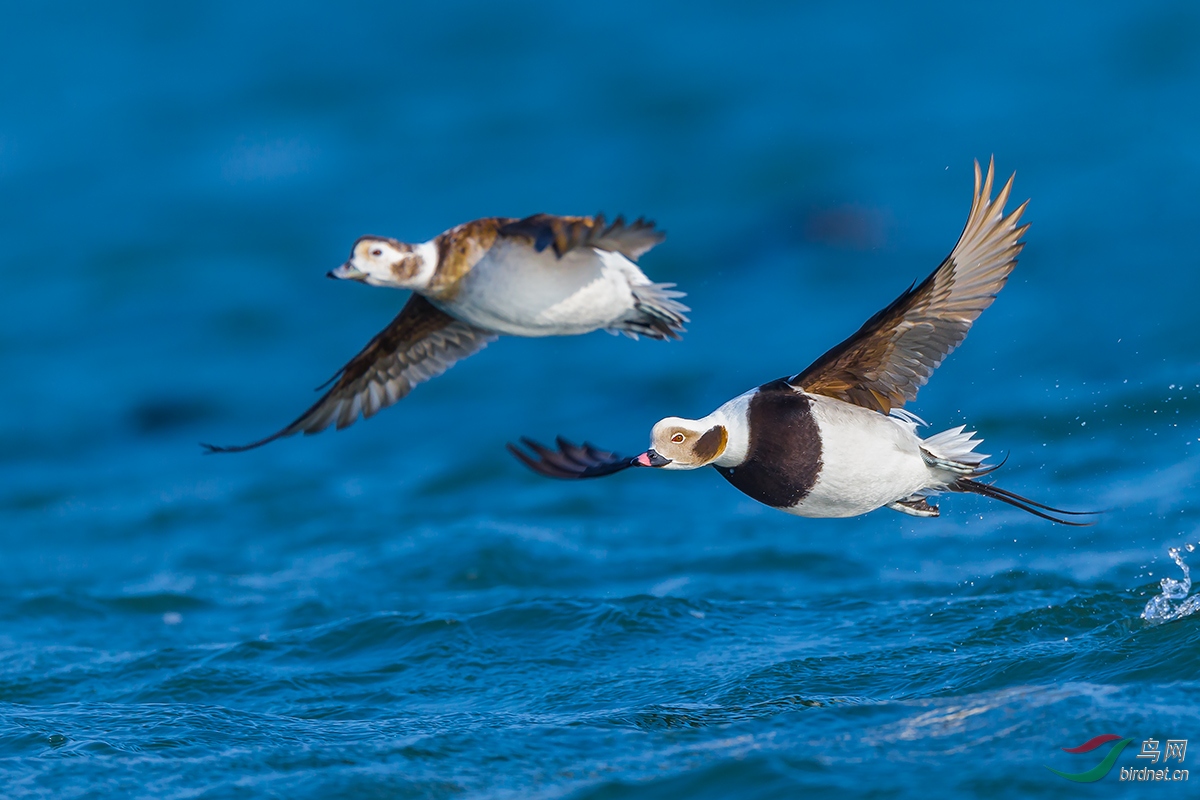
[892, 355]
[421, 343]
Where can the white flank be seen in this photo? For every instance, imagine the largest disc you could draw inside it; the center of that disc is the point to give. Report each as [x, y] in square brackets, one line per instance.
[519, 291]
[868, 460]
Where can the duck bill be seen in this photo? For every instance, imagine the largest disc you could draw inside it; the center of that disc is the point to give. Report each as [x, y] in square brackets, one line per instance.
[346, 272]
[651, 459]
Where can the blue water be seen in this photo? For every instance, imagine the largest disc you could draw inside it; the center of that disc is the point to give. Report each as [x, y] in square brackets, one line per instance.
[400, 609]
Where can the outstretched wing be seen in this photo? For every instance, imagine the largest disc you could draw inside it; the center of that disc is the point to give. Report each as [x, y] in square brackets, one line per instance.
[892, 356]
[421, 343]
[567, 233]
[570, 461]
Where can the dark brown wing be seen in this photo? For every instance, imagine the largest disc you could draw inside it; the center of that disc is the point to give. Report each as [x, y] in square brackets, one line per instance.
[890, 357]
[570, 461]
[567, 233]
[420, 343]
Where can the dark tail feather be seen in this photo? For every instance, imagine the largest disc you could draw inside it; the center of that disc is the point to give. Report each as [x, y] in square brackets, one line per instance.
[966, 485]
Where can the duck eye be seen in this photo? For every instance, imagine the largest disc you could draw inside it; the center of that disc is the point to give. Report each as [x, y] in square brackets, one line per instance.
[376, 252]
[677, 438]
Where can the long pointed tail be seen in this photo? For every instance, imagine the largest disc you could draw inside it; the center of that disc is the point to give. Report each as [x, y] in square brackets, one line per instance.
[969, 486]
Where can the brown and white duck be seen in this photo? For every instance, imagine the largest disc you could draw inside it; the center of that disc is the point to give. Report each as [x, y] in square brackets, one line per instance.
[543, 275]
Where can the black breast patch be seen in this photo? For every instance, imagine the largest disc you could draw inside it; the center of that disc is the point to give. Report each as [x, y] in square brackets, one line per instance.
[784, 457]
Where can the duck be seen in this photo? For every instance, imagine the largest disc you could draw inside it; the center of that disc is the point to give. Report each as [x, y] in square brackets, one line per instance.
[835, 440]
[541, 275]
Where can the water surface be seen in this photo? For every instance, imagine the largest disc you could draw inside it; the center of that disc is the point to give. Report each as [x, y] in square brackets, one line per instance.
[400, 609]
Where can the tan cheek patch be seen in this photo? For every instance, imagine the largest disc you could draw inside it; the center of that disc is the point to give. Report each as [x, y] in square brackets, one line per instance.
[405, 268]
[711, 444]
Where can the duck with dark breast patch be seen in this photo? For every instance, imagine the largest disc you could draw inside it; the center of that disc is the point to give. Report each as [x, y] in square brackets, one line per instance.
[834, 440]
[543, 275]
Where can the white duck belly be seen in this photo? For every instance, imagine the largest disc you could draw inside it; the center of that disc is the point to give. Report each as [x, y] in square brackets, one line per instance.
[867, 461]
[518, 291]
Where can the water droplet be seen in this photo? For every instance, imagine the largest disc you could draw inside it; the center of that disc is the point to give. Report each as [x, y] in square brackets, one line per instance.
[172, 618]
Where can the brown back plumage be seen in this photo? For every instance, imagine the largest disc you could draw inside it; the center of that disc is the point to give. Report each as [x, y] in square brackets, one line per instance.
[567, 233]
[461, 247]
[889, 358]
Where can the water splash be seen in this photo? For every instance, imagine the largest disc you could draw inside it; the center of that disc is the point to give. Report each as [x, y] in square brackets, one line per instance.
[1162, 608]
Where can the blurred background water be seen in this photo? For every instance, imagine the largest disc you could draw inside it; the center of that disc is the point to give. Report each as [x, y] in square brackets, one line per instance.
[400, 609]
